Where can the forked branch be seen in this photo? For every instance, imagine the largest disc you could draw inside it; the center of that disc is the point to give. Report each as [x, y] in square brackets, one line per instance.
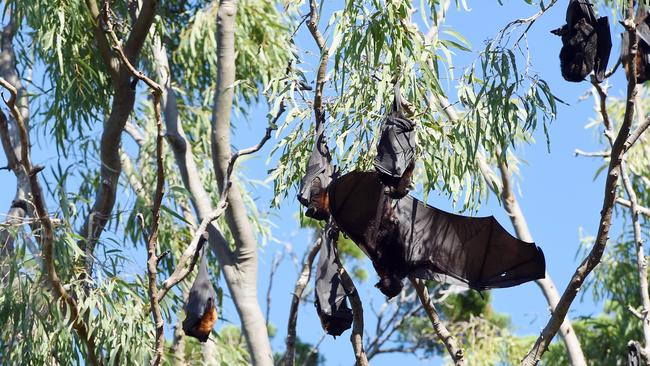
[47, 237]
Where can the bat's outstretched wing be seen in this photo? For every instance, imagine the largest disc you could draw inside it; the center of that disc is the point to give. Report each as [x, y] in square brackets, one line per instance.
[475, 251]
[331, 298]
[407, 237]
[200, 309]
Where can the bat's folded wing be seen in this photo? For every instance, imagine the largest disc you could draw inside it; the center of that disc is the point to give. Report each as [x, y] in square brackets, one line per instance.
[475, 251]
[331, 298]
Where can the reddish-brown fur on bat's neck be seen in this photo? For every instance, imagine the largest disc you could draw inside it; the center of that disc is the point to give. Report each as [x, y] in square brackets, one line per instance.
[203, 328]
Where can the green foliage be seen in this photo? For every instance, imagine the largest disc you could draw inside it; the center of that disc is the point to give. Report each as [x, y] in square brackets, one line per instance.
[75, 86]
[372, 44]
[262, 37]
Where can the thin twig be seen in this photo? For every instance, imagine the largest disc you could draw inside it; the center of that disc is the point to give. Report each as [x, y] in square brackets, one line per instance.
[641, 209]
[277, 259]
[596, 154]
[301, 283]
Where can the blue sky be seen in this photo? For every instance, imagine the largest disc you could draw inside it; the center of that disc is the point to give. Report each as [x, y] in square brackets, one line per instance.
[557, 190]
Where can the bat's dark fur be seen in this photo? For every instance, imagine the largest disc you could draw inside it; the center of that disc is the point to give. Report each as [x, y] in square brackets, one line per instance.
[586, 42]
[642, 58]
[406, 237]
[200, 308]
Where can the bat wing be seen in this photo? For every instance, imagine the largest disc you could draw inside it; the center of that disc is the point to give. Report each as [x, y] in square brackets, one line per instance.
[331, 298]
[407, 237]
[200, 311]
[604, 48]
[475, 251]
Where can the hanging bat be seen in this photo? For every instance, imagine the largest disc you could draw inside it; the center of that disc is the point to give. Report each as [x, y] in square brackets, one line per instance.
[642, 58]
[200, 309]
[331, 298]
[396, 150]
[406, 237]
[317, 177]
[586, 42]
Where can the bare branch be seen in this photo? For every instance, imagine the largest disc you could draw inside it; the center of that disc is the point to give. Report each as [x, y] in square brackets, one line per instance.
[356, 338]
[641, 209]
[303, 279]
[312, 24]
[152, 240]
[456, 353]
[596, 154]
[642, 265]
[595, 255]
[277, 259]
[122, 106]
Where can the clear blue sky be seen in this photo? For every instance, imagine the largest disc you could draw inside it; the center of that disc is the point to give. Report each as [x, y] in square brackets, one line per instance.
[558, 193]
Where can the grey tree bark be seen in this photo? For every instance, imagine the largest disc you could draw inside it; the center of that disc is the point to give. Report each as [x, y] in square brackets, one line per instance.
[239, 267]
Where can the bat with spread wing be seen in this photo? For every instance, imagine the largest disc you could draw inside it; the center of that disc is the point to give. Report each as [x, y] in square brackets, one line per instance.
[395, 158]
[201, 306]
[586, 42]
[406, 237]
[642, 58]
[331, 298]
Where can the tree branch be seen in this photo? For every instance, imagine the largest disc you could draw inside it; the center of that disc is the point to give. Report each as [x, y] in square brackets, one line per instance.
[152, 240]
[641, 209]
[502, 188]
[243, 283]
[642, 265]
[312, 24]
[301, 283]
[595, 255]
[456, 353]
[47, 238]
[122, 106]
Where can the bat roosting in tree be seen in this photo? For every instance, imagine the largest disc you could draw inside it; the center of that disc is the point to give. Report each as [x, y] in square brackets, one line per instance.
[395, 158]
[201, 306]
[586, 42]
[642, 58]
[406, 237]
[331, 298]
[317, 177]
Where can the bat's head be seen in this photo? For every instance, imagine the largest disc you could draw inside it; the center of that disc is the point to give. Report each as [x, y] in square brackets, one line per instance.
[318, 207]
[390, 286]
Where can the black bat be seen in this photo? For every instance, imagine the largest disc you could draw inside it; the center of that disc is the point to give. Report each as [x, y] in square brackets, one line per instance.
[331, 298]
[406, 237]
[586, 42]
[396, 150]
[642, 58]
[200, 309]
[318, 175]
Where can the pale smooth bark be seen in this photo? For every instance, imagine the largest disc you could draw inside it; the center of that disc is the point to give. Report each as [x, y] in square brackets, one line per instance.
[243, 281]
[503, 189]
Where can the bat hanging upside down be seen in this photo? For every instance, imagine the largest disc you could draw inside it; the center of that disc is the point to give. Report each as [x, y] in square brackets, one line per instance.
[405, 237]
[200, 309]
